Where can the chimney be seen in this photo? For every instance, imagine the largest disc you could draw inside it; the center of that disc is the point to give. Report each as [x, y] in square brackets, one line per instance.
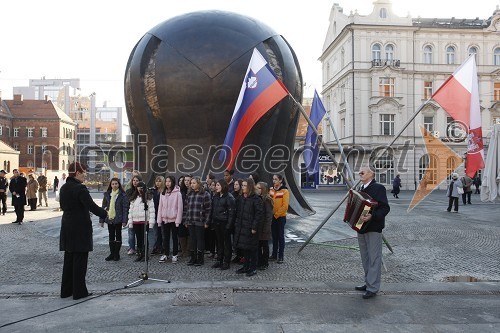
[47, 99]
[18, 99]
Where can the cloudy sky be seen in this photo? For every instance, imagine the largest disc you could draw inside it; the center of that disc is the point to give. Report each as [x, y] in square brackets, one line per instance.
[92, 39]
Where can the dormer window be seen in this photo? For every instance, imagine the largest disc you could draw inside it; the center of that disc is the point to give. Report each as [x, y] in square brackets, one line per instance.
[383, 13]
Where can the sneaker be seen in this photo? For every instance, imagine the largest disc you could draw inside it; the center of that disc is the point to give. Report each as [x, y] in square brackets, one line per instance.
[163, 258]
[174, 259]
[131, 252]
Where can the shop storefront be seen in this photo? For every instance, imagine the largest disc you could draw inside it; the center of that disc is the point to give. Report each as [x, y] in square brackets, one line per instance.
[328, 175]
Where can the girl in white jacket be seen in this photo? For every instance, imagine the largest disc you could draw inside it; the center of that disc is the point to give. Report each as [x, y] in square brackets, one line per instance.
[169, 217]
[138, 217]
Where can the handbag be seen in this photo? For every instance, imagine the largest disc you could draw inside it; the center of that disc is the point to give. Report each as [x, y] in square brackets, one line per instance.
[460, 190]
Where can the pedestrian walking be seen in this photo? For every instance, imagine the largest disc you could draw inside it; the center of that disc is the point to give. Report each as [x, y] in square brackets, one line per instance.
[452, 193]
[4, 185]
[32, 191]
[42, 190]
[396, 185]
[17, 187]
[467, 186]
[56, 184]
[76, 231]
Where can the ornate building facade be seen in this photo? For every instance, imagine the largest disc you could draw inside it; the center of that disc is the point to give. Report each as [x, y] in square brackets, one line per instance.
[380, 68]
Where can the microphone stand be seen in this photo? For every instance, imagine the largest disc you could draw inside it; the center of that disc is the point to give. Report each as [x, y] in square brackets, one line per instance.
[143, 276]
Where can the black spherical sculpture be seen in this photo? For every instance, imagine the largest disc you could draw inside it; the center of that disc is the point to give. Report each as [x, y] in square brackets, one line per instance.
[181, 85]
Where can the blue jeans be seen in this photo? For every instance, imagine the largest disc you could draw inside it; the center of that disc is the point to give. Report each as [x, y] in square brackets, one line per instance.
[131, 238]
[278, 232]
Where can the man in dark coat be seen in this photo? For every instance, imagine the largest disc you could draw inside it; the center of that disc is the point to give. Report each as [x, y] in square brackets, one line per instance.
[370, 239]
[76, 231]
[17, 187]
[4, 185]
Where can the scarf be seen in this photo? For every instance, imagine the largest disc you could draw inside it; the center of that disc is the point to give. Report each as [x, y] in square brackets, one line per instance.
[112, 210]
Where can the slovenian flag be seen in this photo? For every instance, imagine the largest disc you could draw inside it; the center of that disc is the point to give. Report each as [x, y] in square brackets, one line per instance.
[459, 96]
[260, 91]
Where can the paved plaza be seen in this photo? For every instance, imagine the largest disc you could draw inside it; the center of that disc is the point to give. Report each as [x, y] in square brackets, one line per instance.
[311, 292]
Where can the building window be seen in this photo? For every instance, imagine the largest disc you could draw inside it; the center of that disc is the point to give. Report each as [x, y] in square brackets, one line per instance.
[389, 52]
[496, 91]
[496, 120]
[451, 165]
[43, 132]
[29, 164]
[429, 123]
[1, 130]
[384, 166]
[427, 54]
[44, 148]
[342, 128]
[30, 149]
[327, 71]
[376, 52]
[428, 163]
[473, 51]
[29, 132]
[383, 13]
[450, 55]
[342, 94]
[63, 165]
[386, 124]
[496, 57]
[16, 132]
[386, 87]
[16, 146]
[342, 58]
[427, 89]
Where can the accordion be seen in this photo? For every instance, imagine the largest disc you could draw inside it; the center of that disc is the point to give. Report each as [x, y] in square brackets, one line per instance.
[358, 204]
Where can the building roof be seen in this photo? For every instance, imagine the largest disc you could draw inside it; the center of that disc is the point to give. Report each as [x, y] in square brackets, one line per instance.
[37, 109]
[5, 148]
[450, 23]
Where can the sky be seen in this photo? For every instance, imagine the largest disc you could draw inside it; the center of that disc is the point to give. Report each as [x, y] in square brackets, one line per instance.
[92, 39]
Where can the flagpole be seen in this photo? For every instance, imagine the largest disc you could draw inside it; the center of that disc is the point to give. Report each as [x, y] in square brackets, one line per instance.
[345, 196]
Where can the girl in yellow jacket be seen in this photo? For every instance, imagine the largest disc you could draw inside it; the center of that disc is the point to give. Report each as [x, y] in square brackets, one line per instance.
[281, 197]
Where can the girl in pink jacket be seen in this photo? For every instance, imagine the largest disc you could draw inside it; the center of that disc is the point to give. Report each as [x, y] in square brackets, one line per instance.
[169, 217]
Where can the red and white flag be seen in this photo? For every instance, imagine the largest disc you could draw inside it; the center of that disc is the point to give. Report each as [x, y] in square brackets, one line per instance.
[459, 96]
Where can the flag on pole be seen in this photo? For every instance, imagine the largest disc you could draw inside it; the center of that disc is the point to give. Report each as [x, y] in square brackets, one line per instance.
[459, 96]
[260, 91]
[311, 147]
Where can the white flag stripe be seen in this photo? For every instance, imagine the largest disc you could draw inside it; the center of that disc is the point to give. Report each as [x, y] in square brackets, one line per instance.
[256, 63]
[475, 108]
[464, 73]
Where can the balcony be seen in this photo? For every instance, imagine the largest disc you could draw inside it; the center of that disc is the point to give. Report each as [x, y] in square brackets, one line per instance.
[385, 62]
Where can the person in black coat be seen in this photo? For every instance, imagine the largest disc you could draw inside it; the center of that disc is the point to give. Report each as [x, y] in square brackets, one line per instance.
[4, 185]
[116, 203]
[249, 215]
[222, 215]
[76, 231]
[370, 238]
[396, 186]
[56, 184]
[17, 187]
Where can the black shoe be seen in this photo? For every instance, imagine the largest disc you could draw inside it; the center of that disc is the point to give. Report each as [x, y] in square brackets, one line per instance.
[251, 273]
[241, 270]
[271, 258]
[225, 266]
[14, 222]
[369, 294]
[360, 288]
[110, 257]
[217, 265]
[263, 267]
[139, 258]
[20, 222]
[280, 261]
[470, 203]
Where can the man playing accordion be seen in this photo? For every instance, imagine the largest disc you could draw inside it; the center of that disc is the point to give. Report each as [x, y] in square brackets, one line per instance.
[370, 238]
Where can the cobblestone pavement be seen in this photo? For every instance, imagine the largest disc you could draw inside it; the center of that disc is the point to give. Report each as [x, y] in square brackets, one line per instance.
[429, 245]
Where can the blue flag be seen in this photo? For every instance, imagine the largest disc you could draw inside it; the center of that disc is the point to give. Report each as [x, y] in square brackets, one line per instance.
[311, 148]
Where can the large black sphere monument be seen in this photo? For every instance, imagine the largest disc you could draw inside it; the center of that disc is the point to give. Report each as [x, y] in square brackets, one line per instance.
[182, 82]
